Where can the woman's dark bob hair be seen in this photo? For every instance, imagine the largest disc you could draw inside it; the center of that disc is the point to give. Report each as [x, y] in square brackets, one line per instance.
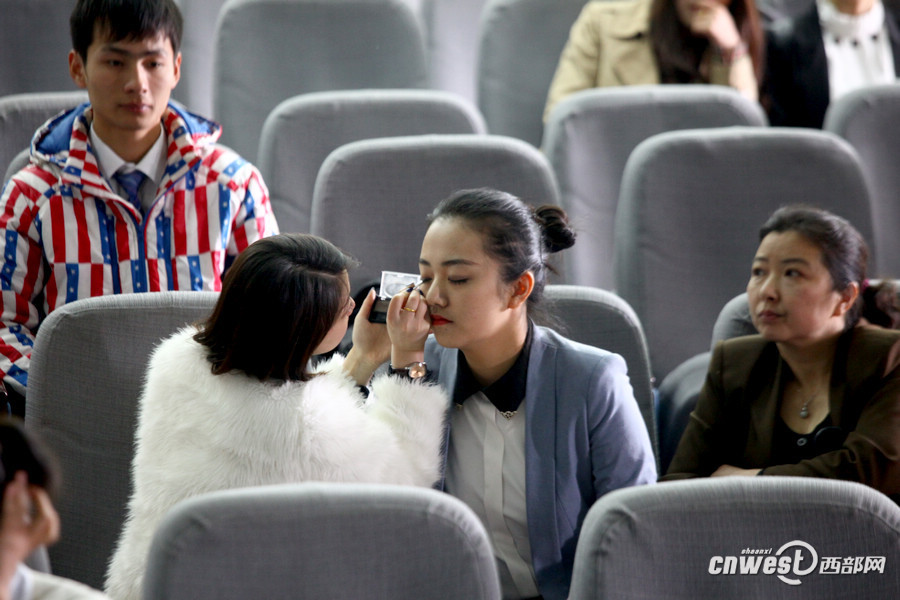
[845, 255]
[279, 299]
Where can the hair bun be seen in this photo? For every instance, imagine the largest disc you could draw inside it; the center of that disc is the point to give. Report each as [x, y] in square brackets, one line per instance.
[556, 234]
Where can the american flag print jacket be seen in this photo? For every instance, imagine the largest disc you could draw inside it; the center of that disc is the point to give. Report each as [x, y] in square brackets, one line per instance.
[67, 235]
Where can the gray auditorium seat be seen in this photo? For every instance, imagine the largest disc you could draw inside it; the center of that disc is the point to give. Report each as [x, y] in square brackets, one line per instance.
[372, 196]
[86, 374]
[35, 42]
[322, 541]
[302, 131]
[689, 213]
[589, 136]
[866, 118]
[22, 114]
[451, 31]
[709, 539]
[521, 41]
[195, 87]
[602, 319]
[269, 50]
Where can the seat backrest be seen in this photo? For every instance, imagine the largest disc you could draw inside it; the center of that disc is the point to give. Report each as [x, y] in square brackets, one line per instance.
[319, 540]
[372, 197]
[451, 29]
[22, 114]
[740, 537]
[519, 48]
[602, 319]
[860, 117]
[195, 86]
[301, 132]
[733, 320]
[590, 135]
[690, 208]
[36, 42]
[19, 162]
[269, 50]
[84, 382]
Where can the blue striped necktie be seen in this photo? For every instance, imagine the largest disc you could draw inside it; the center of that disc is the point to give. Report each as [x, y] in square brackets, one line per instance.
[131, 183]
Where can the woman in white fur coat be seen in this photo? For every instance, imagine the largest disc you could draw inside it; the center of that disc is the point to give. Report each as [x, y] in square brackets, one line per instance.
[234, 403]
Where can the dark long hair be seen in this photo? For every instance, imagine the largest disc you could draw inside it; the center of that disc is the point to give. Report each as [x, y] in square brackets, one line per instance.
[279, 299]
[845, 255]
[520, 238]
[679, 52]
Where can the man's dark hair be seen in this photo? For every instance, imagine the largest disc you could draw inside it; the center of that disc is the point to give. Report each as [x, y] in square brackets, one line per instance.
[124, 20]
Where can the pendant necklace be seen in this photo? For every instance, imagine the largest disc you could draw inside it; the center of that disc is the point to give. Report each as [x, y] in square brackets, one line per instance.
[804, 410]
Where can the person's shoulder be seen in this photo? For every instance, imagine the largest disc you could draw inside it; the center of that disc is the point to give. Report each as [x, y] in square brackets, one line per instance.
[574, 353]
[179, 355]
[742, 352]
[52, 587]
[618, 17]
[870, 345]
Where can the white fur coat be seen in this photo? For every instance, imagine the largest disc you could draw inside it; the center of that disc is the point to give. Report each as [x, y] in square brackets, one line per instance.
[199, 432]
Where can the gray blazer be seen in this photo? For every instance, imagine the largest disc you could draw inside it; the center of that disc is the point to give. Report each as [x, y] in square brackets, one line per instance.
[584, 437]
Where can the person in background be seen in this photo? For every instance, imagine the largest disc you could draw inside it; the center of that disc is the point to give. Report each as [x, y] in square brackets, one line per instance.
[28, 520]
[541, 426]
[634, 42]
[126, 193]
[834, 47]
[816, 393]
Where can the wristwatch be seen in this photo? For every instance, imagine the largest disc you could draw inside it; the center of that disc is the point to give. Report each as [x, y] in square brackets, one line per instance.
[414, 370]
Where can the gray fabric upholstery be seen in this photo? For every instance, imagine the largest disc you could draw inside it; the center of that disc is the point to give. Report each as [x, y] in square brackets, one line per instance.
[678, 395]
[659, 541]
[301, 132]
[22, 114]
[521, 41]
[733, 321]
[680, 390]
[35, 45]
[87, 369]
[18, 162]
[862, 118]
[589, 136]
[689, 213]
[269, 50]
[600, 318]
[322, 541]
[195, 87]
[451, 28]
[372, 196]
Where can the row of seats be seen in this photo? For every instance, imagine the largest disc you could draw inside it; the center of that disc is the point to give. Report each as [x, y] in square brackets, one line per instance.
[733, 537]
[83, 401]
[244, 56]
[82, 398]
[668, 221]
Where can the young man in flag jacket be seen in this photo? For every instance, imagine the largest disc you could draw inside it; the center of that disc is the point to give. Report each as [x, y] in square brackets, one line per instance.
[127, 193]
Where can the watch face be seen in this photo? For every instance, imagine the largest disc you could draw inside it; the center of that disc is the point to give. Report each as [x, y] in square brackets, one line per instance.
[417, 370]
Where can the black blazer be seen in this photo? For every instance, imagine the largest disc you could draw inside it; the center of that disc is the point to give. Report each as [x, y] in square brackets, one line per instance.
[796, 91]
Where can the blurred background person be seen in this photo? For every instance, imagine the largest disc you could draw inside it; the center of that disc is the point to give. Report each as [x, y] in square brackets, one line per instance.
[634, 42]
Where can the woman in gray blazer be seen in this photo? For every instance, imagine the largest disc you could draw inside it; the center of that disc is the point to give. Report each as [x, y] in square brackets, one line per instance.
[540, 426]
